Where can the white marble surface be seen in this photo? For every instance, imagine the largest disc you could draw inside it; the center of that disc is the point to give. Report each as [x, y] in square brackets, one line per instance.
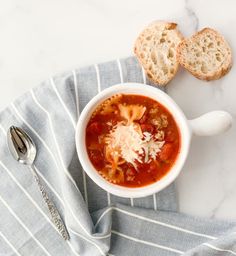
[41, 38]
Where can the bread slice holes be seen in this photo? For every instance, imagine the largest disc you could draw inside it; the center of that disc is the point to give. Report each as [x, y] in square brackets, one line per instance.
[218, 43]
[148, 38]
[152, 70]
[162, 40]
[165, 70]
[204, 49]
[149, 75]
[170, 53]
[172, 71]
[154, 57]
[218, 57]
[164, 34]
[204, 68]
[210, 45]
[198, 54]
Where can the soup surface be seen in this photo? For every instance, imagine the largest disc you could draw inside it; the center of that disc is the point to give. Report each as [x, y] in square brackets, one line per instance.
[132, 140]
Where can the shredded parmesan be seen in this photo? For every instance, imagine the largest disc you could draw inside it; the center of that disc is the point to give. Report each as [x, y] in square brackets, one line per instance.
[133, 144]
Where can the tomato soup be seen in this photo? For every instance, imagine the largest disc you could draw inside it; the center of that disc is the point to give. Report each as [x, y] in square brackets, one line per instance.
[132, 140]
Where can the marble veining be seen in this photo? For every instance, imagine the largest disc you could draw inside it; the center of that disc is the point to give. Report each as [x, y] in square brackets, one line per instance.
[39, 39]
[192, 14]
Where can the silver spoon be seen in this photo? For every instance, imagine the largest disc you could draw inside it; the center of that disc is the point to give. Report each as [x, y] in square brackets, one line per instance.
[24, 151]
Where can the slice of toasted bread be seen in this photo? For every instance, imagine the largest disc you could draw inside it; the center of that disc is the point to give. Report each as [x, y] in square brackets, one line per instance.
[206, 55]
[155, 49]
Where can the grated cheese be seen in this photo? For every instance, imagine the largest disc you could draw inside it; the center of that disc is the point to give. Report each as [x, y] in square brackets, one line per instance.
[133, 144]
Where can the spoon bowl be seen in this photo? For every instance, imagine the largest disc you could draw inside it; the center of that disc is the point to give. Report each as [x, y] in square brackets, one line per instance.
[21, 146]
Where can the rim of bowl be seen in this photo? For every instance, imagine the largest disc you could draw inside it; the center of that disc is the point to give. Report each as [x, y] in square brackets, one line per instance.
[135, 89]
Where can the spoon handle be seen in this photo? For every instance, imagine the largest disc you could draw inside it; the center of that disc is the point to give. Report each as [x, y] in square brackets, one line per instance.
[56, 218]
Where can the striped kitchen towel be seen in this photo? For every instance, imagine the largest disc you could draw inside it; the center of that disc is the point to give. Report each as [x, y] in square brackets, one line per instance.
[98, 223]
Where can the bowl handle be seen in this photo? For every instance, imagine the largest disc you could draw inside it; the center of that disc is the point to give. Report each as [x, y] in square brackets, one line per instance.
[211, 123]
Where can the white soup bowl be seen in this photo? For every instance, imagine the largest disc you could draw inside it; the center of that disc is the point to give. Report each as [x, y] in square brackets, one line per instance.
[208, 124]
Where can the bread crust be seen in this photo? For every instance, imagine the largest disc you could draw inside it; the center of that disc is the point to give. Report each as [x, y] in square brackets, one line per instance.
[162, 25]
[214, 75]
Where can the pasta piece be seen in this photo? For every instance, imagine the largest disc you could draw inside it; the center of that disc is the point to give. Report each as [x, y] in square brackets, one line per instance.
[131, 112]
[113, 156]
[108, 106]
[113, 175]
[137, 127]
[113, 172]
